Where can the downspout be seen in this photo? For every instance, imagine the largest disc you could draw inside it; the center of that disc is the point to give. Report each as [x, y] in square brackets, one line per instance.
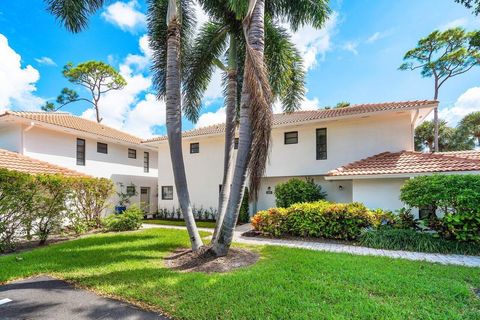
[32, 124]
[415, 118]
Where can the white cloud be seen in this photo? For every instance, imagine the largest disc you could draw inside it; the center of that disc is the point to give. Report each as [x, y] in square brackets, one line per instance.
[200, 15]
[461, 22]
[125, 16]
[147, 114]
[314, 43]
[351, 47]
[17, 84]
[468, 102]
[46, 61]
[209, 118]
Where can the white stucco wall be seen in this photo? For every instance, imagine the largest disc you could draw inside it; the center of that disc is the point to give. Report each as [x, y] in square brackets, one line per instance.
[378, 193]
[60, 148]
[11, 137]
[347, 141]
[337, 191]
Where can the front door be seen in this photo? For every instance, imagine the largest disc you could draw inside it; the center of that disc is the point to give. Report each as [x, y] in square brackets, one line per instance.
[145, 199]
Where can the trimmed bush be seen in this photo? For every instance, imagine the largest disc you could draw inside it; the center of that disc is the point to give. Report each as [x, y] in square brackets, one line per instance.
[297, 191]
[411, 240]
[319, 219]
[130, 219]
[244, 214]
[458, 196]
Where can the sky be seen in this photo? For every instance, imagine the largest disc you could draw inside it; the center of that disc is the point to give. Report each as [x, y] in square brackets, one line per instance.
[354, 58]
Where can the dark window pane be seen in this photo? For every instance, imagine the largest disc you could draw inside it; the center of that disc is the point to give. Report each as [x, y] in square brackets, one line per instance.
[80, 152]
[195, 147]
[102, 147]
[235, 144]
[321, 144]
[291, 137]
[146, 162]
[131, 191]
[132, 153]
[167, 192]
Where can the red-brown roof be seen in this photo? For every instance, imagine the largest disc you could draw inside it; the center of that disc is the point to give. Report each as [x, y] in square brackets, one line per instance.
[311, 115]
[18, 162]
[67, 120]
[406, 162]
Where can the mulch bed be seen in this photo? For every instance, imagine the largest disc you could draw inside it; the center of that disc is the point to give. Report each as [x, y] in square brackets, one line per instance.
[185, 260]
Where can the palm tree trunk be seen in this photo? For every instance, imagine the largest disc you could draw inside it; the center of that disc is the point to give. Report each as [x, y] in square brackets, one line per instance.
[255, 38]
[229, 135]
[174, 124]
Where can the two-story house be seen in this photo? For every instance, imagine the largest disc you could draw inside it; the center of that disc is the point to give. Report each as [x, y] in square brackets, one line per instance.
[87, 147]
[319, 144]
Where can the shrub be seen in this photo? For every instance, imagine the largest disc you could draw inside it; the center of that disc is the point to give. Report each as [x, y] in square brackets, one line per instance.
[130, 219]
[411, 240]
[49, 205]
[244, 214]
[89, 198]
[461, 226]
[16, 199]
[316, 219]
[271, 221]
[450, 193]
[297, 191]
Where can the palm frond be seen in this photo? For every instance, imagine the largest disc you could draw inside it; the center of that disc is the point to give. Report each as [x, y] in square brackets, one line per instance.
[208, 46]
[285, 67]
[299, 12]
[73, 14]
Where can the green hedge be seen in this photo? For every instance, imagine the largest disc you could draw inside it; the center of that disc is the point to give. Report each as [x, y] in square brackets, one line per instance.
[457, 196]
[319, 219]
[297, 191]
[39, 205]
[411, 240]
[130, 219]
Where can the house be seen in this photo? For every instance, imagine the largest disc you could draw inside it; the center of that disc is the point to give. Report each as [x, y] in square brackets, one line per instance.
[84, 146]
[315, 144]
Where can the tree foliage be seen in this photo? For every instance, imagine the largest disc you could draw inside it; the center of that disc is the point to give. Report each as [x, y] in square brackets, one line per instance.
[471, 4]
[450, 139]
[95, 76]
[470, 125]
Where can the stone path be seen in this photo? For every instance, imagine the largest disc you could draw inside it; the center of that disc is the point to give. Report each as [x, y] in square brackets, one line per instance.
[452, 259]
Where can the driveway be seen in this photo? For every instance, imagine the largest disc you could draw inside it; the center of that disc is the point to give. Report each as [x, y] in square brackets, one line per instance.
[47, 298]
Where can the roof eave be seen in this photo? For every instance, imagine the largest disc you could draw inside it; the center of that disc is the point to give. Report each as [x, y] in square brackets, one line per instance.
[396, 175]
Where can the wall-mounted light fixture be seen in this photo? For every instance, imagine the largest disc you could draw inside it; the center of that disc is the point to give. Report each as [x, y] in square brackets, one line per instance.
[340, 188]
[269, 190]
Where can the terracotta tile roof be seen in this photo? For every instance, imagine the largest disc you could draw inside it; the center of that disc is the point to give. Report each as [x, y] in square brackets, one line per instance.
[411, 162]
[16, 161]
[67, 120]
[311, 115]
[470, 154]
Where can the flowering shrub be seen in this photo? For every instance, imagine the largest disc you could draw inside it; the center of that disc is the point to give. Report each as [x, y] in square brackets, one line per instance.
[344, 221]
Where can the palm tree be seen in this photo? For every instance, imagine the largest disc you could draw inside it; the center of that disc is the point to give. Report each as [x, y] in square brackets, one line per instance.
[256, 98]
[286, 77]
[170, 25]
[471, 125]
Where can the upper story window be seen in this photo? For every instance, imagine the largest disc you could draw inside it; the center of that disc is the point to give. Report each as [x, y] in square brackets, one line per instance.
[291, 137]
[195, 147]
[167, 192]
[102, 147]
[80, 152]
[235, 144]
[146, 162]
[322, 144]
[132, 153]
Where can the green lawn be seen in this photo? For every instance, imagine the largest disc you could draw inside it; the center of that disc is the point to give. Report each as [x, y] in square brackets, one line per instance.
[200, 224]
[285, 284]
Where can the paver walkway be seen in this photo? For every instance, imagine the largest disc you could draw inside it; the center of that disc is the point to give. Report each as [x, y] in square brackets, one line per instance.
[454, 259]
[48, 298]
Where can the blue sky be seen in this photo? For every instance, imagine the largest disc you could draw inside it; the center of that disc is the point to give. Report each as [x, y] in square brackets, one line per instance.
[353, 58]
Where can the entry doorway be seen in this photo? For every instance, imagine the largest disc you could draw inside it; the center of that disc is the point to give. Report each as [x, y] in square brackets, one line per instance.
[145, 199]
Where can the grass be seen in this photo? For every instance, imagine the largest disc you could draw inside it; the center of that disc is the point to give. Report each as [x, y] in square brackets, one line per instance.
[286, 283]
[200, 224]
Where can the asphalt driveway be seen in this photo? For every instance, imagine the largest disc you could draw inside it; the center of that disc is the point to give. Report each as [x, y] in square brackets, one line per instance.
[48, 298]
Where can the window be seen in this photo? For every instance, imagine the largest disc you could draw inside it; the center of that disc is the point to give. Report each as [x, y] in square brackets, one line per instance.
[146, 162]
[132, 153]
[195, 147]
[102, 147]
[131, 191]
[291, 137]
[321, 144]
[167, 192]
[80, 152]
[235, 144]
